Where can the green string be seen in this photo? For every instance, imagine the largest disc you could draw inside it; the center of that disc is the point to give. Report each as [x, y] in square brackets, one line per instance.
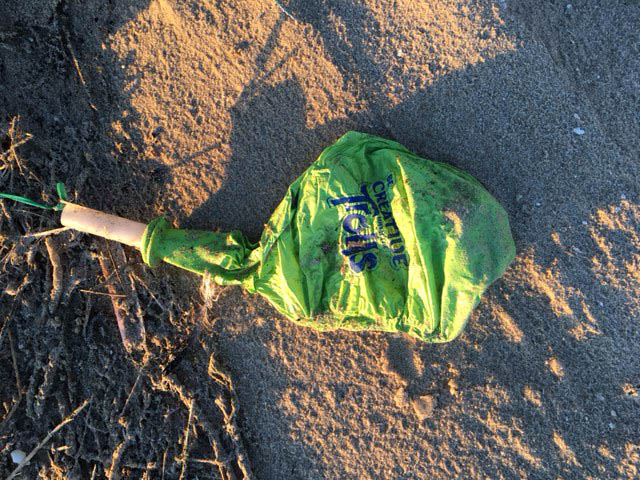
[62, 194]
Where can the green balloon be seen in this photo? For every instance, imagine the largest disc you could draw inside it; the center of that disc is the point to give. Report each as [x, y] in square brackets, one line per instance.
[370, 237]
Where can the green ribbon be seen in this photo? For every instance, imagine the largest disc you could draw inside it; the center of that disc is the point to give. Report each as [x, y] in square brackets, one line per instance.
[62, 194]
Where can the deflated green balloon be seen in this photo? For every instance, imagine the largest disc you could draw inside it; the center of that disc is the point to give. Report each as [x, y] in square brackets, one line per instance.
[371, 237]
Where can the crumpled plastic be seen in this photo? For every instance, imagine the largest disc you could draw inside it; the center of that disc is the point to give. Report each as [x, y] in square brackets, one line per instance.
[370, 236]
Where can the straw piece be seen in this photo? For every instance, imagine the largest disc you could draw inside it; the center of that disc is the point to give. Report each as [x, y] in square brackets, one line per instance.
[28, 458]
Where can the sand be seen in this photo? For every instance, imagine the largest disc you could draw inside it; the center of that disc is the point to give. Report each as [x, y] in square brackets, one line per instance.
[205, 111]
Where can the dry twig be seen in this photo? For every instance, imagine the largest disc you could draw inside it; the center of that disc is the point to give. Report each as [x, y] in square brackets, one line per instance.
[87, 314]
[65, 37]
[55, 231]
[118, 309]
[149, 291]
[37, 448]
[56, 289]
[15, 141]
[116, 457]
[131, 323]
[126, 402]
[14, 359]
[114, 295]
[13, 410]
[185, 445]
[284, 10]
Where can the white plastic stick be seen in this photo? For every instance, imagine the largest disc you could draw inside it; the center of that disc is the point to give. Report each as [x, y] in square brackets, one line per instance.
[103, 224]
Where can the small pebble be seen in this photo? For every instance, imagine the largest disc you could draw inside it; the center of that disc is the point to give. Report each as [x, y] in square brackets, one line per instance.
[623, 196]
[17, 456]
[578, 131]
[538, 204]
[584, 222]
[423, 406]
[600, 397]
[613, 413]
[453, 387]
[401, 398]
[612, 426]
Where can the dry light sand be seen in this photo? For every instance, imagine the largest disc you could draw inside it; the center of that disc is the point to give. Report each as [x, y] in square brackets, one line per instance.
[205, 111]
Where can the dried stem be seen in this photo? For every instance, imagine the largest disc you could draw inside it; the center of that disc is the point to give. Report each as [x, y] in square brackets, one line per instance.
[117, 309]
[116, 457]
[114, 295]
[13, 410]
[284, 10]
[32, 453]
[55, 231]
[56, 289]
[185, 445]
[14, 359]
[14, 143]
[135, 384]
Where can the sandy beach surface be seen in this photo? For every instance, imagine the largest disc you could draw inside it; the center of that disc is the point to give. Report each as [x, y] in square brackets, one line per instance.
[205, 111]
